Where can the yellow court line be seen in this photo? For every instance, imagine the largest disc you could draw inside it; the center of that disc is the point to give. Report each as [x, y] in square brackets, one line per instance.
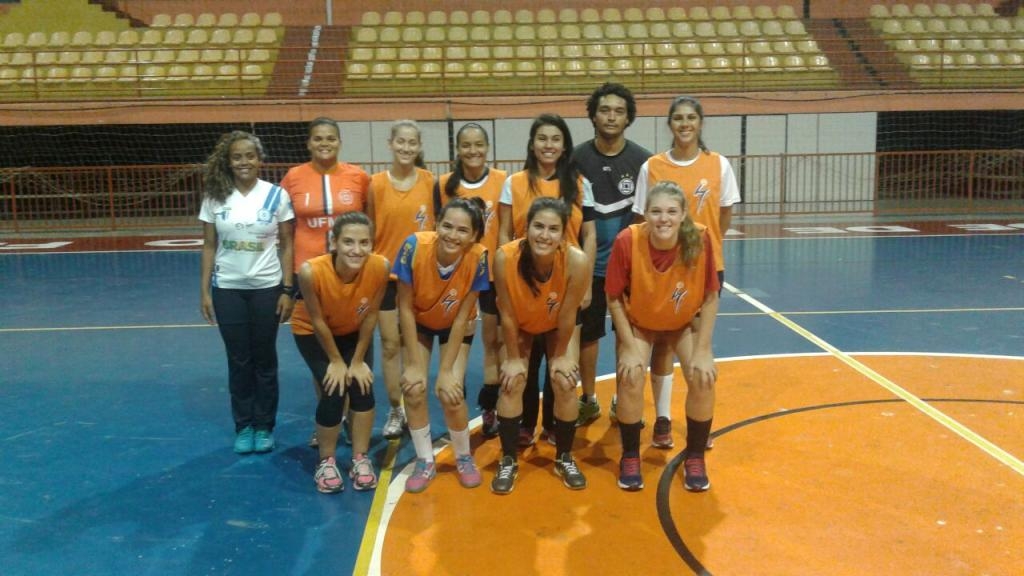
[373, 519]
[963, 431]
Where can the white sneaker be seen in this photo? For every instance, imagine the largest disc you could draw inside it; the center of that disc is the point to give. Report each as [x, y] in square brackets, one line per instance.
[395, 424]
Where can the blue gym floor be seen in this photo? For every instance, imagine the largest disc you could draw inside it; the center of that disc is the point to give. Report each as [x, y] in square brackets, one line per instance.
[115, 430]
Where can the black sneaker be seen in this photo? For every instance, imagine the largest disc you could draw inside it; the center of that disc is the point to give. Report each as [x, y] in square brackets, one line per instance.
[629, 474]
[570, 473]
[505, 480]
[696, 474]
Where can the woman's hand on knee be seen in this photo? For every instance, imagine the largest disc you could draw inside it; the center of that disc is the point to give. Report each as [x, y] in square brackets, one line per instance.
[414, 381]
[449, 389]
[361, 375]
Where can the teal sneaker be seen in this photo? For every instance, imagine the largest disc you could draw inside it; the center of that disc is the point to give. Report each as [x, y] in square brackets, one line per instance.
[263, 441]
[588, 412]
[244, 440]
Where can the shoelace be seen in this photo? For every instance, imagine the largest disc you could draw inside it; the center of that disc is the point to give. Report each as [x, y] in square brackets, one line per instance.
[328, 470]
[465, 463]
[362, 467]
[421, 469]
[570, 467]
[505, 471]
[631, 466]
[694, 466]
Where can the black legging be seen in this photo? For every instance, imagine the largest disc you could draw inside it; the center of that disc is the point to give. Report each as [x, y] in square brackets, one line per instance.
[329, 409]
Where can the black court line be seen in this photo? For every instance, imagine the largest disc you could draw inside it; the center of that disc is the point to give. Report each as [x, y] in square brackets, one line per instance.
[668, 475]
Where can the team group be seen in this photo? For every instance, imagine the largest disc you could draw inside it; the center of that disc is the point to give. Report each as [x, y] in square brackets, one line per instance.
[542, 255]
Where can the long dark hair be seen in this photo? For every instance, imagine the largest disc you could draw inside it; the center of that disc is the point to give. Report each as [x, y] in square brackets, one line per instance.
[218, 180]
[452, 185]
[565, 168]
[527, 267]
[690, 243]
[474, 206]
[695, 104]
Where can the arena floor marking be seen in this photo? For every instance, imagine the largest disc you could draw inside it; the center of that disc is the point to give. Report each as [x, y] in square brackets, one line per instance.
[937, 415]
[379, 513]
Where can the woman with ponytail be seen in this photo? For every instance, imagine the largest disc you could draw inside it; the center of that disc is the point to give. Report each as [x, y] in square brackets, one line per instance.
[471, 177]
[709, 184]
[541, 281]
[668, 262]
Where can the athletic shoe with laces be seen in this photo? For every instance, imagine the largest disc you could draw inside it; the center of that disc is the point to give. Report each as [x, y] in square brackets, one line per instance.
[490, 423]
[505, 480]
[696, 473]
[629, 474]
[395, 424]
[662, 433]
[549, 435]
[328, 477]
[613, 410]
[588, 412]
[244, 440]
[421, 476]
[469, 475]
[362, 474]
[570, 473]
[526, 438]
[263, 441]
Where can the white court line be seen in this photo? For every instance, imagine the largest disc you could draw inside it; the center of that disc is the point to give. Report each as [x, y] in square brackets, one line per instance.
[940, 417]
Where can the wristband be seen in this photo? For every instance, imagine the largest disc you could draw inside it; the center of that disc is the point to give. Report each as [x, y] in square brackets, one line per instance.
[288, 290]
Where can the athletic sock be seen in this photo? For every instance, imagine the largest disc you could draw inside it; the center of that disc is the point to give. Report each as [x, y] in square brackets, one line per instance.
[487, 399]
[661, 384]
[697, 433]
[421, 442]
[565, 433]
[460, 441]
[508, 432]
[630, 438]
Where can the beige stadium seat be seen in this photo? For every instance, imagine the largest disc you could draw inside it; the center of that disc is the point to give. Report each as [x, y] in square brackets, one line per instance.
[568, 15]
[572, 51]
[696, 65]
[952, 44]
[503, 33]
[720, 13]
[995, 45]
[432, 53]
[760, 47]
[783, 47]
[935, 26]
[818, 62]
[878, 11]
[623, 67]
[660, 30]
[389, 35]
[114, 57]
[593, 33]
[409, 35]
[406, 70]
[415, 18]
[45, 58]
[764, 13]
[965, 60]
[227, 73]
[611, 15]
[1001, 26]
[220, 37]
[454, 70]
[913, 26]
[637, 31]
[366, 35]
[458, 18]
[958, 26]
[769, 64]
[434, 34]
[633, 15]
[989, 60]
[595, 51]
[655, 14]
[459, 34]
[241, 37]
[65, 58]
[127, 38]
[392, 18]
[176, 37]
[892, 27]
[794, 62]
[524, 16]
[526, 68]
[942, 10]
[794, 28]
[928, 44]
[546, 16]
[357, 70]
[256, 56]
[712, 48]
[689, 49]
[905, 45]
[202, 73]
[614, 31]
[720, 65]
[479, 52]
[676, 13]
[921, 10]
[1016, 44]
[161, 21]
[662, 49]
[598, 67]
[105, 39]
[525, 33]
[590, 15]
[206, 20]
[807, 46]
[745, 64]
[772, 28]
[480, 34]
[368, 19]
[1012, 60]
[619, 50]
[81, 74]
[406, 53]
[273, 19]
[570, 32]
[361, 54]
[900, 10]
[381, 71]
[211, 55]
[742, 12]
[59, 39]
[785, 12]
[250, 19]
[184, 20]
[963, 9]
[478, 69]
[83, 38]
[437, 18]
[727, 29]
[574, 68]
[197, 37]
[735, 48]
[750, 28]
[984, 9]
[503, 53]
[682, 30]
[503, 17]
[227, 20]
[56, 75]
[480, 17]
[91, 58]
[671, 65]
[699, 13]
[547, 33]
[430, 70]
[385, 53]
[35, 40]
[975, 45]
[455, 53]
[980, 26]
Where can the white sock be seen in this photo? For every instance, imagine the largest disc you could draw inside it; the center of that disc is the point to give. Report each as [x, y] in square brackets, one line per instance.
[460, 441]
[421, 442]
[661, 385]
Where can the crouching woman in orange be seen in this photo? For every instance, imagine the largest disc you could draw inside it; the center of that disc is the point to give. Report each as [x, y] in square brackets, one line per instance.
[667, 263]
[334, 333]
[541, 281]
[440, 275]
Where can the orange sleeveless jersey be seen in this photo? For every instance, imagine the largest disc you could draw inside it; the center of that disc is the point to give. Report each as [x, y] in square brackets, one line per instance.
[399, 214]
[522, 197]
[535, 314]
[489, 191]
[317, 197]
[702, 184]
[436, 300]
[343, 305]
[666, 300]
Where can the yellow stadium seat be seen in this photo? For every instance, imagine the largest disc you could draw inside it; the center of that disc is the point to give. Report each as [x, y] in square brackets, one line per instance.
[727, 29]
[928, 44]
[183, 20]
[547, 33]
[370, 19]
[572, 51]
[892, 27]
[633, 15]
[963, 9]
[995, 44]
[273, 19]
[682, 30]
[525, 33]
[720, 13]
[227, 20]
[91, 58]
[434, 34]
[942, 10]
[660, 30]
[989, 60]
[785, 12]
[655, 14]
[665, 49]
[712, 48]
[720, 65]
[220, 37]
[206, 20]
[415, 18]
[794, 62]
[66, 58]
[745, 64]
[699, 13]
[958, 26]
[760, 47]
[568, 16]
[689, 49]
[357, 70]
[986, 10]
[952, 44]
[33, 40]
[750, 29]
[454, 70]
[705, 30]
[480, 34]
[807, 46]
[764, 13]
[676, 13]
[250, 19]
[503, 33]
[965, 60]
[590, 15]
[161, 21]
[570, 32]
[772, 28]
[241, 37]
[618, 50]
[696, 65]
[905, 45]
[878, 11]
[409, 35]
[227, 73]
[980, 25]
[975, 44]
[211, 56]
[769, 64]
[598, 67]
[913, 26]
[115, 57]
[104, 39]
[794, 28]
[127, 38]
[366, 35]
[480, 17]
[81, 39]
[671, 66]
[614, 31]
[638, 31]
[735, 48]
[437, 18]
[197, 37]
[611, 15]
[175, 37]
[921, 10]
[45, 58]
[818, 62]
[546, 16]
[503, 17]
[1001, 26]
[1012, 60]
[81, 74]
[595, 51]
[59, 39]
[783, 47]
[524, 16]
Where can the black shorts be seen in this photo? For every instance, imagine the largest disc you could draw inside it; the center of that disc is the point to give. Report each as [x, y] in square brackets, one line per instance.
[488, 301]
[593, 317]
[390, 301]
[442, 335]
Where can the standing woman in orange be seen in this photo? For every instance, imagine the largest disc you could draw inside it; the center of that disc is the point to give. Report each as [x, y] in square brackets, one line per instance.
[440, 275]
[549, 171]
[322, 189]
[399, 205]
[473, 178]
[708, 181]
[334, 333]
[668, 263]
[541, 281]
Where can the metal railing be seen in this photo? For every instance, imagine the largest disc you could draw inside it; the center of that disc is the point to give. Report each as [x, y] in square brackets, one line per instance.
[160, 196]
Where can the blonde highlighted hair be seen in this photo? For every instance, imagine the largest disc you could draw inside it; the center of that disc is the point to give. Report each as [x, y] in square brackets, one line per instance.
[690, 236]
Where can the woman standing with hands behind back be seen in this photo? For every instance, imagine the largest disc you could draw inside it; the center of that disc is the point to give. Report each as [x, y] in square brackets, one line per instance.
[240, 281]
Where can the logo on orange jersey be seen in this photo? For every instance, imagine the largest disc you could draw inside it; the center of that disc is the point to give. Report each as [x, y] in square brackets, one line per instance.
[701, 193]
[677, 295]
[364, 305]
[449, 301]
[552, 303]
[421, 217]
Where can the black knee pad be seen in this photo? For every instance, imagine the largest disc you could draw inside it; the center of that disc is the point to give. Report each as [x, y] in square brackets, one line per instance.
[359, 402]
[328, 410]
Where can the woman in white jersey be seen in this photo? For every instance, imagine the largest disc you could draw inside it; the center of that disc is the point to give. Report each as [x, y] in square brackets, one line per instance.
[247, 251]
